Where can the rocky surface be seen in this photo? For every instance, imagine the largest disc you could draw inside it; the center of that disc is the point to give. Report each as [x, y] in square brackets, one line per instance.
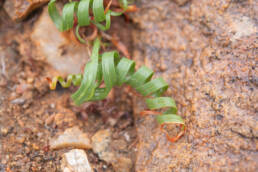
[31, 114]
[72, 137]
[206, 51]
[20, 9]
[75, 161]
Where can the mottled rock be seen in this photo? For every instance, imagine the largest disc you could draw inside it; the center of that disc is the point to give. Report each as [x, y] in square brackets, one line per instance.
[122, 164]
[101, 145]
[181, 2]
[19, 9]
[4, 131]
[209, 48]
[72, 137]
[58, 49]
[75, 161]
[242, 26]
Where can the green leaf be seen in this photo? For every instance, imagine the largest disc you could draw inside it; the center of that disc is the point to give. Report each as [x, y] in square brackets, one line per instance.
[169, 118]
[140, 77]
[125, 69]
[55, 16]
[108, 22]
[160, 102]
[68, 15]
[98, 10]
[83, 13]
[154, 86]
[82, 10]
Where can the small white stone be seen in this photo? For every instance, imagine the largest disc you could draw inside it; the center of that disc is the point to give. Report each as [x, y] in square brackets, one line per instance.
[75, 161]
[127, 137]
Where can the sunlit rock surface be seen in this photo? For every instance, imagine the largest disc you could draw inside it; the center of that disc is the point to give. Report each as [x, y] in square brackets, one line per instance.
[60, 49]
[206, 51]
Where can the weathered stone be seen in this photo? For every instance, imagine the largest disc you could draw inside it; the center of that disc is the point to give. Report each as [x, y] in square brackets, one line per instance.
[75, 161]
[181, 2]
[62, 52]
[122, 164]
[209, 48]
[19, 9]
[101, 145]
[72, 137]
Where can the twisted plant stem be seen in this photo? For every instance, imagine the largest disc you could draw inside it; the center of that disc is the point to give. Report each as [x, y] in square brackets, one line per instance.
[116, 71]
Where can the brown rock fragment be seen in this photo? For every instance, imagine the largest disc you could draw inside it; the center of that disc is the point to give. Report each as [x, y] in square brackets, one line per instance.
[19, 9]
[123, 164]
[181, 2]
[72, 137]
[101, 145]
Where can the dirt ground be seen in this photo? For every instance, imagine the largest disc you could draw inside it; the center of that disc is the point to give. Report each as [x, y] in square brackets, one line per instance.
[27, 105]
[205, 50]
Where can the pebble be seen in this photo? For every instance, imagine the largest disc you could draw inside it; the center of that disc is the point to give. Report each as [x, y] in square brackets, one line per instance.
[75, 161]
[71, 137]
[61, 120]
[101, 145]
[4, 131]
[127, 137]
[18, 101]
[123, 164]
[181, 2]
[20, 139]
[35, 147]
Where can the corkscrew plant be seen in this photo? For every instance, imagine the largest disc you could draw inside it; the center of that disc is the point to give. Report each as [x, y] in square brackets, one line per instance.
[112, 69]
[82, 10]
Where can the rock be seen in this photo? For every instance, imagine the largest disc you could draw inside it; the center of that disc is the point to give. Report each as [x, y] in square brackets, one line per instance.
[101, 145]
[62, 53]
[72, 137]
[4, 131]
[181, 2]
[20, 9]
[62, 119]
[211, 73]
[65, 118]
[20, 139]
[241, 27]
[18, 101]
[122, 164]
[75, 161]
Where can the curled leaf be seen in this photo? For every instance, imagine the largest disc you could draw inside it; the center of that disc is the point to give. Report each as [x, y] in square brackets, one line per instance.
[115, 71]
